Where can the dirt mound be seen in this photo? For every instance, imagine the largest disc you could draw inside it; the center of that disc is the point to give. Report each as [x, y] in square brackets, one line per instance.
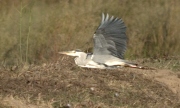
[165, 77]
[67, 84]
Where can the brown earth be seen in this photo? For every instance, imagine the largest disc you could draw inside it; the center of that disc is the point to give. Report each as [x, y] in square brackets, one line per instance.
[165, 77]
[64, 84]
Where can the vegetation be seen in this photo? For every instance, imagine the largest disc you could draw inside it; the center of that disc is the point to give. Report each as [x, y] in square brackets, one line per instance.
[64, 85]
[32, 32]
[42, 28]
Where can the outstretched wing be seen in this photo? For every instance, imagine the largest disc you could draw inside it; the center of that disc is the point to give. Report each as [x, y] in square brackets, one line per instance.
[110, 37]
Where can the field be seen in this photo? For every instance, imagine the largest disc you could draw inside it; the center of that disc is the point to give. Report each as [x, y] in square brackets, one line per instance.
[64, 85]
[34, 75]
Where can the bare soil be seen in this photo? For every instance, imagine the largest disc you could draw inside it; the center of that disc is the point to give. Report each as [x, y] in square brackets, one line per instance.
[65, 85]
[165, 77]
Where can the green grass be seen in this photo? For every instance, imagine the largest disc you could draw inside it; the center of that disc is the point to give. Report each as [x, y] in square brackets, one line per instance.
[152, 28]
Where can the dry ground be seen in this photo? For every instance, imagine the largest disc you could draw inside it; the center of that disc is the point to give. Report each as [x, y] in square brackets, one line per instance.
[62, 85]
[34, 31]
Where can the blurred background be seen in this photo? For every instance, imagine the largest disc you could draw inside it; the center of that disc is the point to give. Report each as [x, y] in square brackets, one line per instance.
[34, 31]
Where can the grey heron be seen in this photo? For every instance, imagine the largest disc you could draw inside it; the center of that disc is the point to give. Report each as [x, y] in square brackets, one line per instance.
[109, 46]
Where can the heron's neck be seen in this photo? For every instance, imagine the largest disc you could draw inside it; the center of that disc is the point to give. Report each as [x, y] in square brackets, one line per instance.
[81, 59]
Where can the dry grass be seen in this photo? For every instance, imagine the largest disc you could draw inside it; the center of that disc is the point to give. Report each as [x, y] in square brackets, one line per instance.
[15, 102]
[61, 25]
[152, 28]
[60, 84]
[170, 63]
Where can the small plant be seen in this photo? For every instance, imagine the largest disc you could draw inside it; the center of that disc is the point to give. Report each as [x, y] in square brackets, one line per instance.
[27, 40]
[21, 46]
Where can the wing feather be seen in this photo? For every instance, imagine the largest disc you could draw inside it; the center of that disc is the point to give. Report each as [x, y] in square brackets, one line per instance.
[110, 37]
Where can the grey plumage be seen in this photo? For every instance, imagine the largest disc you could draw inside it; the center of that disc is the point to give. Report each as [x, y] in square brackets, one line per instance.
[110, 37]
[109, 46]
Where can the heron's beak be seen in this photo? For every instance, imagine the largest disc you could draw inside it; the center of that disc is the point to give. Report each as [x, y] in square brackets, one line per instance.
[70, 53]
[63, 52]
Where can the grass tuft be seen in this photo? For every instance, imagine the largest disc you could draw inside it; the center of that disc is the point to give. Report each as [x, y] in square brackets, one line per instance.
[152, 28]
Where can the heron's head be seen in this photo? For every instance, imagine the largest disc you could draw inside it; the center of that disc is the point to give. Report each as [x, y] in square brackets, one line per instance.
[72, 53]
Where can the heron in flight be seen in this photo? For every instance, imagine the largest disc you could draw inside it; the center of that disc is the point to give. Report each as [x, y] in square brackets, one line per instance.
[109, 46]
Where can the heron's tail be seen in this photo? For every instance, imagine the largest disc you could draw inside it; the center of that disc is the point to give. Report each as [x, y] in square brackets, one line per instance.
[129, 64]
[135, 65]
